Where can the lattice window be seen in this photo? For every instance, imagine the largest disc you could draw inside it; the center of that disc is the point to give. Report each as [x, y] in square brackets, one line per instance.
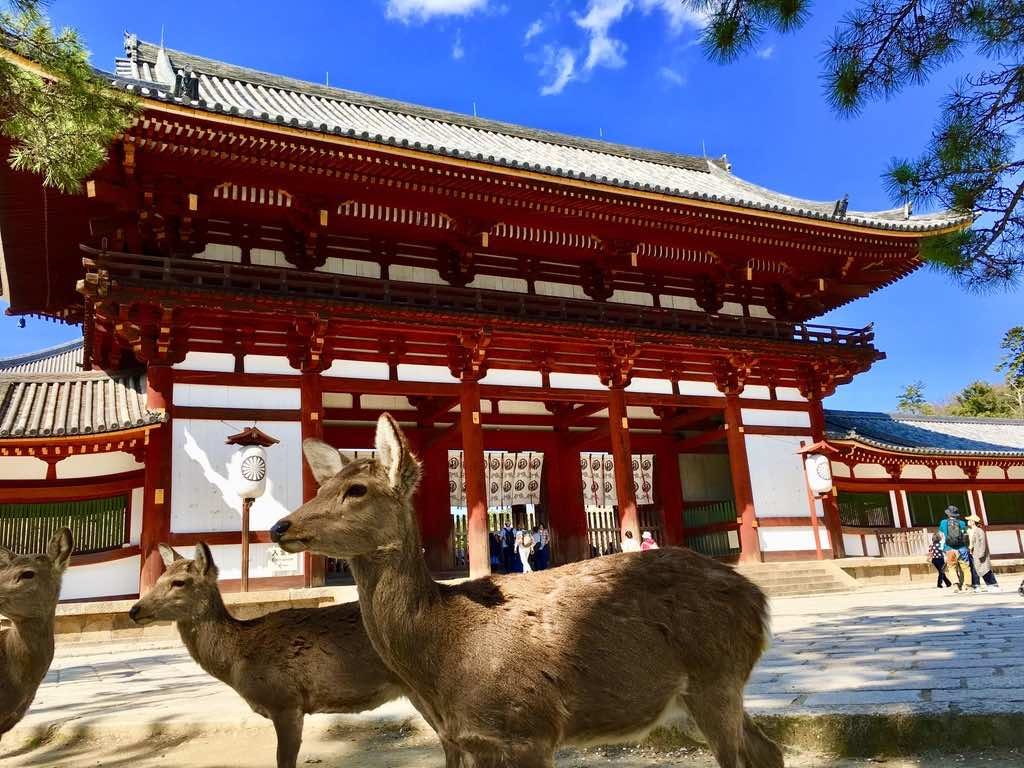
[97, 525]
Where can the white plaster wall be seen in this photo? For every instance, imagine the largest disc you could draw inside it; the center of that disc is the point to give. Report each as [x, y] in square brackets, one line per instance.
[872, 542]
[22, 468]
[654, 386]
[761, 418]
[386, 402]
[949, 472]
[852, 545]
[202, 498]
[990, 473]
[679, 302]
[705, 477]
[354, 267]
[1016, 473]
[220, 362]
[791, 394]
[560, 290]
[415, 275]
[777, 476]
[756, 310]
[875, 471]
[228, 558]
[786, 539]
[916, 472]
[704, 388]
[337, 400]
[495, 283]
[135, 529]
[357, 369]
[511, 378]
[895, 510]
[756, 392]
[632, 297]
[523, 408]
[485, 407]
[269, 364]
[221, 252]
[429, 373]
[576, 381]
[267, 258]
[116, 577]
[840, 470]
[96, 464]
[1003, 543]
[221, 396]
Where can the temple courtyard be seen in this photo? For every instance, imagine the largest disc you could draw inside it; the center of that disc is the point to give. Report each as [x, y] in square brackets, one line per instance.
[877, 672]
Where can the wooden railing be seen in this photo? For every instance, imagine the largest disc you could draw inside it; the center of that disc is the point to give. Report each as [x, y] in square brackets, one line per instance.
[708, 527]
[96, 525]
[605, 533]
[188, 273]
[894, 542]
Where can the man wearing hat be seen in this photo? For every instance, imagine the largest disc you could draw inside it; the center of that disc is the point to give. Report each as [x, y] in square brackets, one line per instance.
[954, 537]
[978, 542]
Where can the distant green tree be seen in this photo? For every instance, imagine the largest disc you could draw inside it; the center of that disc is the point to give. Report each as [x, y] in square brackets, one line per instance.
[62, 121]
[911, 400]
[983, 400]
[973, 163]
[1011, 365]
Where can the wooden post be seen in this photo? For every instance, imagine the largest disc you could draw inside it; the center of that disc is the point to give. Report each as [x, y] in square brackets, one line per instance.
[750, 546]
[478, 547]
[314, 567]
[811, 506]
[670, 494]
[566, 515]
[618, 426]
[434, 506]
[156, 505]
[243, 582]
[833, 523]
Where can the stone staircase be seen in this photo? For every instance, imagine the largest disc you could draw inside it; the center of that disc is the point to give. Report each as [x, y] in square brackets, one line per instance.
[799, 578]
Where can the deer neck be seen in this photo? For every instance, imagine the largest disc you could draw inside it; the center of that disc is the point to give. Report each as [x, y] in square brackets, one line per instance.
[29, 648]
[211, 637]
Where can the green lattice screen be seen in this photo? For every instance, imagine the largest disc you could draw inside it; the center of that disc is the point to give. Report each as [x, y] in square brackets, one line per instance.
[97, 525]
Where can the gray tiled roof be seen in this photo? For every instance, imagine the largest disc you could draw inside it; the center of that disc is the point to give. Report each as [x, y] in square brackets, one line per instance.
[40, 405]
[928, 434]
[62, 358]
[151, 71]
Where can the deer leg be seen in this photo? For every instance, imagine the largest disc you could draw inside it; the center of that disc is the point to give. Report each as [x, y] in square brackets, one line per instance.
[758, 750]
[288, 725]
[719, 715]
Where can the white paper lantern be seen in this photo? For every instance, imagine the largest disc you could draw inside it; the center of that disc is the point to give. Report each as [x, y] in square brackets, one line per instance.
[249, 471]
[819, 473]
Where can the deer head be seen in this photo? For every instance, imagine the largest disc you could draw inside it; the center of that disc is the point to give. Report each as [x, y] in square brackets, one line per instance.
[30, 584]
[363, 506]
[184, 590]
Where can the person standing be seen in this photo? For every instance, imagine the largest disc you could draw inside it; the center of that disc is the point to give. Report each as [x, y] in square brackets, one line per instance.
[647, 542]
[508, 540]
[954, 538]
[542, 548]
[978, 542]
[938, 559]
[524, 545]
[629, 543]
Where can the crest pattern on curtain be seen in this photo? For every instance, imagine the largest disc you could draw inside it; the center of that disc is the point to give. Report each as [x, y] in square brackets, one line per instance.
[511, 478]
[598, 471]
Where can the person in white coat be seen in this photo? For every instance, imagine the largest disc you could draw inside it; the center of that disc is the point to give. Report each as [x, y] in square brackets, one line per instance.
[629, 542]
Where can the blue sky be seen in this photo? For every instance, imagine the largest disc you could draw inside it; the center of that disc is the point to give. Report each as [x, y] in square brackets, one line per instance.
[627, 70]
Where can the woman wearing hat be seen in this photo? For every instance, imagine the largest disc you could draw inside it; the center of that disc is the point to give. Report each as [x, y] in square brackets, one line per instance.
[979, 552]
[647, 541]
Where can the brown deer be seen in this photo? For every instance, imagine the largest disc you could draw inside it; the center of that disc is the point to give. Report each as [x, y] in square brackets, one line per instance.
[29, 590]
[285, 665]
[506, 669]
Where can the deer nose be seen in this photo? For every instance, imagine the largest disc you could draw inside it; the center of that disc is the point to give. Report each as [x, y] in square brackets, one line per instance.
[278, 530]
[133, 614]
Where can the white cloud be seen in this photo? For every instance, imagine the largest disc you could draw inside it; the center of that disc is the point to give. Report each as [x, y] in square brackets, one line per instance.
[457, 50]
[672, 76]
[680, 14]
[534, 29]
[766, 53]
[603, 49]
[560, 68]
[423, 10]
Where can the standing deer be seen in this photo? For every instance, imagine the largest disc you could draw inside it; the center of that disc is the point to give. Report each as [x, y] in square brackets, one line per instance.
[285, 665]
[29, 590]
[506, 669]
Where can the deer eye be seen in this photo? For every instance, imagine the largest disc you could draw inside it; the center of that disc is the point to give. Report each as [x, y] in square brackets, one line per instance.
[355, 491]
[177, 583]
[26, 575]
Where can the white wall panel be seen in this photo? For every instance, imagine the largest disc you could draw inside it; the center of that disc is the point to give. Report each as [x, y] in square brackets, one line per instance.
[228, 558]
[220, 362]
[699, 388]
[915, 472]
[420, 275]
[840, 470]
[632, 297]
[135, 530]
[990, 473]
[756, 392]
[559, 290]
[949, 472]
[791, 394]
[852, 545]
[776, 476]
[357, 369]
[222, 252]
[269, 364]
[654, 386]
[1003, 542]
[872, 544]
[872, 471]
[22, 468]
[96, 465]
[495, 283]
[222, 396]
[796, 538]
[354, 267]
[202, 498]
[429, 373]
[386, 402]
[116, 577]
[760, 418]
[511, 378]
[1016, 473]
[686, 303]
[705, 477]
[523, 408]
[576, 381]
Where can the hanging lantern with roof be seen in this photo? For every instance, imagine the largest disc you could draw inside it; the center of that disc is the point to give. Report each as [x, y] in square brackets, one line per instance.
[248, 475]
[818, 466]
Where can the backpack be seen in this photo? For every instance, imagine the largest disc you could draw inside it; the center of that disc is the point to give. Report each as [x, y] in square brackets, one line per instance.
[954, 534]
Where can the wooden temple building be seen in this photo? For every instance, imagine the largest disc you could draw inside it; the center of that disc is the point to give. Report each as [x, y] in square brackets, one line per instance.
[598, 337]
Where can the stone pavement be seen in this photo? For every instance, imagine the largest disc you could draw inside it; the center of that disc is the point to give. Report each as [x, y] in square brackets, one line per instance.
[900, 652]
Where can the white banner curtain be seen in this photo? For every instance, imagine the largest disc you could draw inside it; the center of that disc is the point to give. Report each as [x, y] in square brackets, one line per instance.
[510, 477]
[598, 474]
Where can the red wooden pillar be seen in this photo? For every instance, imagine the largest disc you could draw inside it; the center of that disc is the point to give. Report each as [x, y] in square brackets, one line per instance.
[622, 455]
[311, 401]
[750, 546]
[478, 547]
[670, 494]
[156, 505]
[566, 514]
[434, 506]
[833, 523]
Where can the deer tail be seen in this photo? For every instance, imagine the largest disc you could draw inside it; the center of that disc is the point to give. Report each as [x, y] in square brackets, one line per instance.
[758, 750]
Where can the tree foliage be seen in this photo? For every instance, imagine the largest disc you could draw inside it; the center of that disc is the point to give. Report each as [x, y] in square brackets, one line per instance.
[912, 400]
[972, 164]
[1011, 365]
[60, 125]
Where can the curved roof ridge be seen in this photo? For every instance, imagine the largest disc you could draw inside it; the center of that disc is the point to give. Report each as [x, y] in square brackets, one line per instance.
[39, 354]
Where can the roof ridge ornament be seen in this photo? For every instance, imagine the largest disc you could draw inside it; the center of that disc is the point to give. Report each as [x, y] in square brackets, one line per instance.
[841, 205]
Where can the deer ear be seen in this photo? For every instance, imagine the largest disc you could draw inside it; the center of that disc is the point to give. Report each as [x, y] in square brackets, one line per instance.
[403, 469]
[59, 548]
[203, 558]
[6, 556]
[168, 554]
[324, 460]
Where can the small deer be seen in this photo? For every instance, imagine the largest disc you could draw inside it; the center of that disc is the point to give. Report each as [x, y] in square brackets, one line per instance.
[506, 669]
[285, 665]
[29, 590]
